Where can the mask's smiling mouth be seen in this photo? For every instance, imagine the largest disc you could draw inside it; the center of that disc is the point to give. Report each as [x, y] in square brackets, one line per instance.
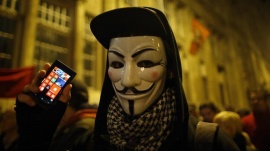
[133, 90]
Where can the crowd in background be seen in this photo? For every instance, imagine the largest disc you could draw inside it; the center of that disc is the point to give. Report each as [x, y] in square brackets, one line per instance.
[249, 128]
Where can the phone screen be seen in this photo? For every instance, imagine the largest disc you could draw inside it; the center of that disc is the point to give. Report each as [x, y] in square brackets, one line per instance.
[56, 78]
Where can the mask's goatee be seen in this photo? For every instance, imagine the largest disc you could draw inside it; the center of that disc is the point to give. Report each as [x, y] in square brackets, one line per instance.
[131, 107]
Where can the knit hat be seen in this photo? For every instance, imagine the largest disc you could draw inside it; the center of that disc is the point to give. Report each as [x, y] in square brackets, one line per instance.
[118, 23]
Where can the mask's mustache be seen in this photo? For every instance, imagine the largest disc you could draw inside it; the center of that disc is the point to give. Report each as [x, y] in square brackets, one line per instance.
[134, 90]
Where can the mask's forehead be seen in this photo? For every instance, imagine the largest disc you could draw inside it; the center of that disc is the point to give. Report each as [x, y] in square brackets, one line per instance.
[133, 44]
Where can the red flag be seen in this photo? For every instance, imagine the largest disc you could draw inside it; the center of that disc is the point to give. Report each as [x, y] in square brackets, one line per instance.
[200, 29]
[12, 81]
[200, 34]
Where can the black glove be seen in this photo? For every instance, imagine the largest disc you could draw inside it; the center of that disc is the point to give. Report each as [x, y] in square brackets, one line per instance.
[36, 126]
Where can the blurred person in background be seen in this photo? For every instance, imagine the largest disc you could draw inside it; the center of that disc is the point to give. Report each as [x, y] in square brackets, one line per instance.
[230, 123]
[257, 123]
[208, 111]
[77, 122]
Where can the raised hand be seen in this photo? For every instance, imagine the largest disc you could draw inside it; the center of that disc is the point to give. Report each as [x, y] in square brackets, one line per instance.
[25, 96]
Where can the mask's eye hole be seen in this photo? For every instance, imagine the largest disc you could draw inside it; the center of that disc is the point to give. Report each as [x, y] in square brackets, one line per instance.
[116, 64]
[146, 64]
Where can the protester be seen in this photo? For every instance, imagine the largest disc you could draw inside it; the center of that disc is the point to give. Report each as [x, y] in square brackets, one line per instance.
[208, 111]
[142, 104]
[230, 123]
[257, 123]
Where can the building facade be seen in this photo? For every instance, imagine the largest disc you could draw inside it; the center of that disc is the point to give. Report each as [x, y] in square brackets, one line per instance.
[218, 65]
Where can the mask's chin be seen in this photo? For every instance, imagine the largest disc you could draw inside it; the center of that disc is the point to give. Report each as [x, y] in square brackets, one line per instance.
[136, 107]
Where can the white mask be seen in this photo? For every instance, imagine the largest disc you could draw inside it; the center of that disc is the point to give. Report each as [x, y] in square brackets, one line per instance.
[137, 69]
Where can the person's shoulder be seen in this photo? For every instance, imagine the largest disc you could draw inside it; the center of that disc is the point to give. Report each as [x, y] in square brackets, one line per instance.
[222, 142]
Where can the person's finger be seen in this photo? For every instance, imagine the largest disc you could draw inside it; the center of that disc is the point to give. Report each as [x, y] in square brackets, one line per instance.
[32, 87]
[47, 66]
[66, 95]
[25, 96]
[41, 74]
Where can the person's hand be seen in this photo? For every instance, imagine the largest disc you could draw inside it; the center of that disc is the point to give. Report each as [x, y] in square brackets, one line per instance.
[26, 98]
[33, 121]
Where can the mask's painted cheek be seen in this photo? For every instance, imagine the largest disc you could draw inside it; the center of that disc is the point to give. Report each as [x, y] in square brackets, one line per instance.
[114, 74]
[155, 75]
[110, 74]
